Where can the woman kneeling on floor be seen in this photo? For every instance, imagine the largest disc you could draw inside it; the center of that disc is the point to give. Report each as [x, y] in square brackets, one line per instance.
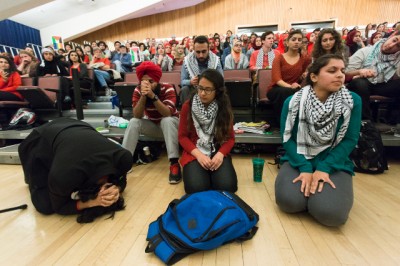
[320, 125]
[206, 136]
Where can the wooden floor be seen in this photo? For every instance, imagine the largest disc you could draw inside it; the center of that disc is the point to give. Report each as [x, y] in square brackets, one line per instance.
[370, 237]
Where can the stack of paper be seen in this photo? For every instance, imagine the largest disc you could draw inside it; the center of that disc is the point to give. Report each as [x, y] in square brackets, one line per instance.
[251, 127]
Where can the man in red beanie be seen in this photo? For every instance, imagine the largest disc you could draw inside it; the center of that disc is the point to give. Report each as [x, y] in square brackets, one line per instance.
[157, 102]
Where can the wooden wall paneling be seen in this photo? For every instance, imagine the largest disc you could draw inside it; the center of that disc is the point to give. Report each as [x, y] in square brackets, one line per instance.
[220, 15]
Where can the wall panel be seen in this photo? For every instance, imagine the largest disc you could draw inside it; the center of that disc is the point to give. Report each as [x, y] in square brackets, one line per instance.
[219, 15]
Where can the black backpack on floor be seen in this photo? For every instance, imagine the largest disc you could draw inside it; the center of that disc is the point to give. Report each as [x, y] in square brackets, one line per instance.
[369, 154]
[155, 150]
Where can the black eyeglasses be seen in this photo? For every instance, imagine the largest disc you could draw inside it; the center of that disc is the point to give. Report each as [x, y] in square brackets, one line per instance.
[207, 91]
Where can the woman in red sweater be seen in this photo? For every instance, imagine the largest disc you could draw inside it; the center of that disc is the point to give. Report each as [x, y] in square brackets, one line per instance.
[288, 70]
[9, 80]
[206, 135]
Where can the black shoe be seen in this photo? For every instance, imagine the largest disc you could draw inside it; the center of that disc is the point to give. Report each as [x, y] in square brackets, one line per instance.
[175, 174]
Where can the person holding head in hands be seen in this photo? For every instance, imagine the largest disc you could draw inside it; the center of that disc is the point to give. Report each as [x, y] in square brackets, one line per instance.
[154, 115]
[320, 125]
[375, 70]
[71, 168]
[206, 136]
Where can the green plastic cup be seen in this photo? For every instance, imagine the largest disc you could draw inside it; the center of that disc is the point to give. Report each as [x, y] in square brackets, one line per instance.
[258, 167]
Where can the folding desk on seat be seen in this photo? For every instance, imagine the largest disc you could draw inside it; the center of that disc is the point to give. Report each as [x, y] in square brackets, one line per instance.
[262, 86]
[125, 91]
[173, 78]
[10, 107]
[45, 95]
[240, 89]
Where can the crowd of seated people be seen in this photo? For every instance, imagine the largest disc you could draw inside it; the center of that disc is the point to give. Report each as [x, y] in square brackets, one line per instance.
[237, 52]
[307, 91]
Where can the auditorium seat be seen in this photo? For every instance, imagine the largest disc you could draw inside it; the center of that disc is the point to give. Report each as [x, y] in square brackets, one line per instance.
[262, 86]
[173, 78]
[45, 95]
[239, 88]
[8, 108]
[381, 102]
[237, 74]
[125, 90]
[26, 81]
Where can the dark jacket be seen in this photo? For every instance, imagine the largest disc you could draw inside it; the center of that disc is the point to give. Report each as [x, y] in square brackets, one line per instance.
[68, 155]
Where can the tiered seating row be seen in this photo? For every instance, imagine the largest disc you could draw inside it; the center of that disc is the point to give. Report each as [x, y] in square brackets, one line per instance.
[241, 90]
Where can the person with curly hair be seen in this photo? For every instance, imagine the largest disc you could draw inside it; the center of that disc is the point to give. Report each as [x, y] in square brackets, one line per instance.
[328, 41]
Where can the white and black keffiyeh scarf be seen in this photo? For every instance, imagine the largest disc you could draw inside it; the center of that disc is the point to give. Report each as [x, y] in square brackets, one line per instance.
[385, 65]
[260, 58]
[166, 63]
[204, 123]
[192, 66]
[318, 121]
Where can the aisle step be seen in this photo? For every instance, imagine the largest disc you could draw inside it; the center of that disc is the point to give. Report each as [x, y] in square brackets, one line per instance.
[9, 155]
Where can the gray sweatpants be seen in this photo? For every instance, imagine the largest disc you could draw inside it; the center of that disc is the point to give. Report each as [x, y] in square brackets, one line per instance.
[168, 128]
[331, 207]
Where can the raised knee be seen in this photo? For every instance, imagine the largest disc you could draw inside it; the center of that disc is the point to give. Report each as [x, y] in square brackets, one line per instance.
[135, 122]
[169, 121]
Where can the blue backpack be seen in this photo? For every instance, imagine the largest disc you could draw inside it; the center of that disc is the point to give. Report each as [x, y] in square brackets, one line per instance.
[200, 221]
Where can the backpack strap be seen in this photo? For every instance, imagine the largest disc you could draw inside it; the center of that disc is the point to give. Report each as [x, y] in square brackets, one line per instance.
[248, 235]
[157, 244]
[153, 243]
[160, 246]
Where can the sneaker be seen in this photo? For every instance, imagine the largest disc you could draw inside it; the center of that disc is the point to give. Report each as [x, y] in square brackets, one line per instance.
[397, 133]
[108, 91]
[175, 174]
[67, 99]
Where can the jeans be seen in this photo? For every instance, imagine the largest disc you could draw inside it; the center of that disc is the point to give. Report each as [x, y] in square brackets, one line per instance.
[102, 77]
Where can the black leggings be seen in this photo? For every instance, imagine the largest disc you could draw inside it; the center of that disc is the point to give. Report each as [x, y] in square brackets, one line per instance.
[278, 95]
[364, 89]
[196, 178]
[8, 96]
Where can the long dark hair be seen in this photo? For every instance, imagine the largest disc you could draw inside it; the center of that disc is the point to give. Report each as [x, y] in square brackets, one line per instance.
[91, 48]
[219, 45]
[12, 67]
[224, 119]
[82, 57]
[319, 63]
[69, 56]
[336, 49]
